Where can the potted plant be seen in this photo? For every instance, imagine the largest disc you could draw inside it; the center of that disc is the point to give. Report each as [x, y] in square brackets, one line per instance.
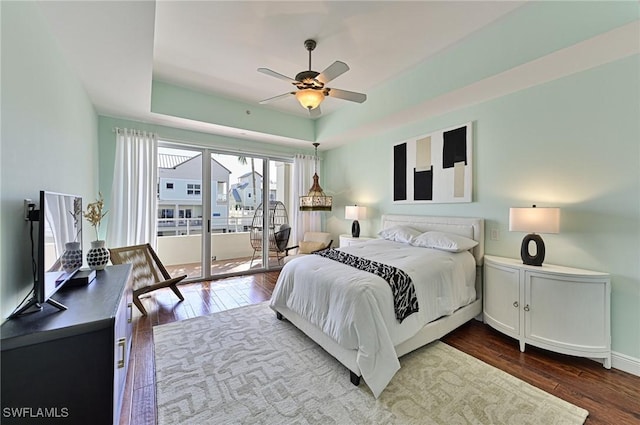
[98, 255]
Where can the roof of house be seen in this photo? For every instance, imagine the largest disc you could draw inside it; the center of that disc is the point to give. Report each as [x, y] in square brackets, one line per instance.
[236, 195]
[166, 160]
[249, 173]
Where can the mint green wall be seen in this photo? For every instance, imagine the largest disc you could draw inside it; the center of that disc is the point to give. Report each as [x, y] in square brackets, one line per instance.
[529, 32]
[168, 99]
[571, 143]
[49, 138]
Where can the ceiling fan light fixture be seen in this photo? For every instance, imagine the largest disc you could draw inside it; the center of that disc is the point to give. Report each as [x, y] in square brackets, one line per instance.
[310, 98]
[311, 85]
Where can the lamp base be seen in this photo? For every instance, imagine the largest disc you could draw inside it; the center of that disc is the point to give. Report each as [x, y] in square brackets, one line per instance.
[355, 229]
[527, 258]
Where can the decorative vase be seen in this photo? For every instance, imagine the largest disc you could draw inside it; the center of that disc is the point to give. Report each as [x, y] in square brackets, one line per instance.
[97, 256]
[72, 258]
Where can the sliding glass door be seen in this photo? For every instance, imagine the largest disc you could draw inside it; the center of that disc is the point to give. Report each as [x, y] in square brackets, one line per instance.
[213, 208]
[181, 210]
[241, 177]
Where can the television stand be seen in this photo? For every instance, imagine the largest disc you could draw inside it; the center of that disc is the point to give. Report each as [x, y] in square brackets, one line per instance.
[84, 350]
[56, 304]
[33, 306]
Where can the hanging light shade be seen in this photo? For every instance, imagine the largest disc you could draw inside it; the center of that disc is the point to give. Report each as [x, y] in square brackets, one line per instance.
[310, 98]
[316, 199]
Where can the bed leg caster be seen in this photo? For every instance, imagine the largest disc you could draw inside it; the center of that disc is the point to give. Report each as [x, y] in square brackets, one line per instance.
[355, 379]
[279, 316]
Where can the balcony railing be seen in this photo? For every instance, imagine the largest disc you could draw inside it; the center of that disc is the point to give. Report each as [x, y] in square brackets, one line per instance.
[193, 226]
[231, 252]
[179, 245]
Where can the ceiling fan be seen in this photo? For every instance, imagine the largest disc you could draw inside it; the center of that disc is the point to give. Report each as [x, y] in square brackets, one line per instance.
[311, 84]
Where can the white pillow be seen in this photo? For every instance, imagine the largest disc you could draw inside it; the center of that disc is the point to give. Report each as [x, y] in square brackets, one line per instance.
[444, 241]
[404, 234]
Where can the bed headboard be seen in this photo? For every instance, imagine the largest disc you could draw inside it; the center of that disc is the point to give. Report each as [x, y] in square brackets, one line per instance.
[469, 227]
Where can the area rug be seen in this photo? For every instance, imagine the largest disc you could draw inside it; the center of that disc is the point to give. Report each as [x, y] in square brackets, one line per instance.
[244, 366]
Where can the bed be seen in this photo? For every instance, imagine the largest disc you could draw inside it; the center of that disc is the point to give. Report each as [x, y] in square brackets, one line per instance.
[350, 312]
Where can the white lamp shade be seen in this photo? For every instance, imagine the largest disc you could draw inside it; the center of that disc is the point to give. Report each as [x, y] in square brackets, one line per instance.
[355, 212]
[534, 220]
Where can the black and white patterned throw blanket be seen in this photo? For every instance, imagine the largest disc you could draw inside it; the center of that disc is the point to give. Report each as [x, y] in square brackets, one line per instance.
[405, 301]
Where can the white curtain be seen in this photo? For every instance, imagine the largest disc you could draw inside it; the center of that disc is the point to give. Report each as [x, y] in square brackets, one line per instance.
[133, 194]
[303, 221]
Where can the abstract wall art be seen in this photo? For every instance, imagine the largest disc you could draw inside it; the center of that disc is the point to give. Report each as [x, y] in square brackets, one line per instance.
[434, 168]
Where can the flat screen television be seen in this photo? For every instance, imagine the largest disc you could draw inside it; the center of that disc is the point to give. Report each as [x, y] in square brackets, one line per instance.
[59, 247]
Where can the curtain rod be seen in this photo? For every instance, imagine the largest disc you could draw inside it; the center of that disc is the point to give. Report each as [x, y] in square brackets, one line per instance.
[220, 150]
[225, 150]
[119, 130]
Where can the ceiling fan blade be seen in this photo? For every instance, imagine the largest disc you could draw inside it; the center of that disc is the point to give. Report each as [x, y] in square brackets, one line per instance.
[267, 71]
[347, 95]
[274, 98]
[334, 70]
[315, 113]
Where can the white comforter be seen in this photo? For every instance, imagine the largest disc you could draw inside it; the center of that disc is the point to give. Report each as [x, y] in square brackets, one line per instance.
[355, 308]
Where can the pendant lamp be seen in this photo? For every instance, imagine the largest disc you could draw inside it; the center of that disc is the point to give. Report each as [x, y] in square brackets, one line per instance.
[316, 200]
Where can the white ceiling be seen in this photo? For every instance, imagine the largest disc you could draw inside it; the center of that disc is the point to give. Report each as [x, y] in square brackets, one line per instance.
[218, 46]
[118, 47]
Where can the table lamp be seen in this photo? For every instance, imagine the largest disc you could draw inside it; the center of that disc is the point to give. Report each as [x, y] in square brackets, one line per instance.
[355, 213]
[534, 220]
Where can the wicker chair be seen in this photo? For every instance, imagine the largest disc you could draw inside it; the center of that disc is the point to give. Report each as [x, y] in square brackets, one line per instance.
[279, 229]
[148, 272]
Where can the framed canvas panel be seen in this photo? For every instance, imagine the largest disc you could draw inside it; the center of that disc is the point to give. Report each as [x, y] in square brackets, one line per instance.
[435, 167]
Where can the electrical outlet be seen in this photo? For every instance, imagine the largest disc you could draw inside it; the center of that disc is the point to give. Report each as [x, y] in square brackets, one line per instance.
[495, 234]
[27, 202]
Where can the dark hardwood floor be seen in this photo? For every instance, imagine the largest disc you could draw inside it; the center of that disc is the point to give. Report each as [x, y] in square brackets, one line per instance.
[610, 396]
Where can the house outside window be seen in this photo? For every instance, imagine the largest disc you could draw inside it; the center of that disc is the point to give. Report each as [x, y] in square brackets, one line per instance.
[193, 188]
[221, 192]
[165, 213]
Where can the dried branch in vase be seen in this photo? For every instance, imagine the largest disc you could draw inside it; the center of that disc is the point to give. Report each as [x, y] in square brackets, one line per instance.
[94, 213]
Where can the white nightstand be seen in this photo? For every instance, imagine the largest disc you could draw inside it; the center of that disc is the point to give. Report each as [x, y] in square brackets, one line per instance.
[557, 308]
[347, 240]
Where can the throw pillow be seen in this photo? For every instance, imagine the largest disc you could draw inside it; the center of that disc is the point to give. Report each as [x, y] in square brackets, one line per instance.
[444, 241]
[399, 233]
[307, 247]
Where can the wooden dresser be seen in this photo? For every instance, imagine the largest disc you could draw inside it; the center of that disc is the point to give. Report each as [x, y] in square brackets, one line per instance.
[70, 366]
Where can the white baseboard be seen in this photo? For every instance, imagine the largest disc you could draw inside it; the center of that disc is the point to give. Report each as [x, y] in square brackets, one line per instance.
[625, 363]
